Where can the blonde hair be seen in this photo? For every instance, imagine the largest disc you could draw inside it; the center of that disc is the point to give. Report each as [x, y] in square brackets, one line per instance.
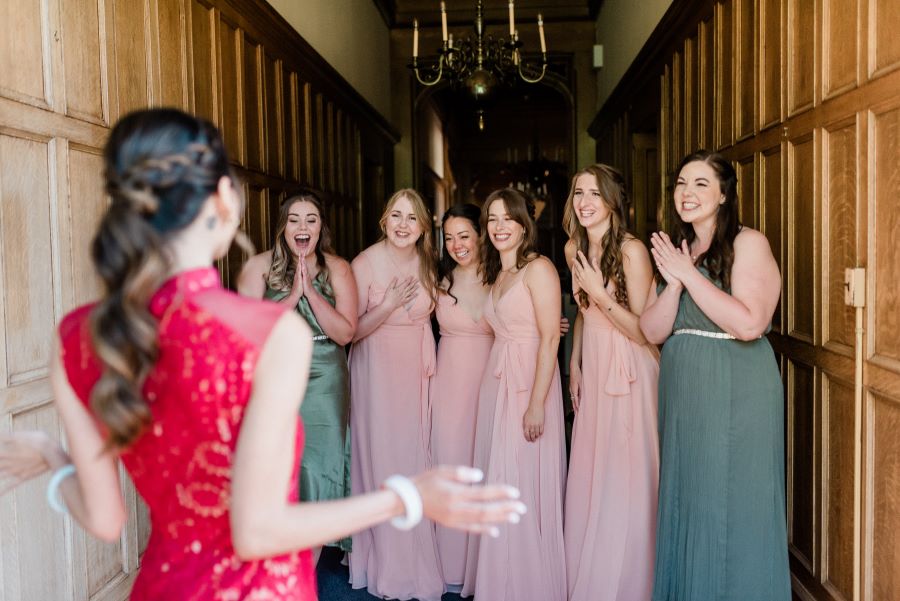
[425, 243]
[284, 263]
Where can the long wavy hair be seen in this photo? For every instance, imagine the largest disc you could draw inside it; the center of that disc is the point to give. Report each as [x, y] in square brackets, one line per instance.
[161, 166]
[425, 243]
[447, 264]
[719, 257]
[521, 211]
[611, 184]
[284, 263]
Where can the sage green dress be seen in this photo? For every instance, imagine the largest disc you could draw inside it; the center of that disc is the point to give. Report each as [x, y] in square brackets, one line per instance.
[325, 470]
[721, 532]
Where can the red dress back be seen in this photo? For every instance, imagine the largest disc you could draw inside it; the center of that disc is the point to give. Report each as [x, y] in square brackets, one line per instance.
[209, 342]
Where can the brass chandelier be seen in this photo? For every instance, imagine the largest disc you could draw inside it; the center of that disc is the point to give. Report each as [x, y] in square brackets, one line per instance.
[478, 62]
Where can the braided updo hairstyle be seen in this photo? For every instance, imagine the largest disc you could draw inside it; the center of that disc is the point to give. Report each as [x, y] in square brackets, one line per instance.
[161, 165]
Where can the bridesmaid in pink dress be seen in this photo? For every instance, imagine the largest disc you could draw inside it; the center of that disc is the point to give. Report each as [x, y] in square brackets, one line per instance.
[611, 495]
[391, 363]
[519, 435]
[465, 344]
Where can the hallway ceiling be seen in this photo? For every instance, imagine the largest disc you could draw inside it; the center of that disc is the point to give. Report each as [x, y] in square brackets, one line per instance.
[400, 13]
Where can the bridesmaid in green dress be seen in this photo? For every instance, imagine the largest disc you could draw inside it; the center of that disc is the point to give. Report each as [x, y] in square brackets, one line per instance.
[302, 271]
[721, 522]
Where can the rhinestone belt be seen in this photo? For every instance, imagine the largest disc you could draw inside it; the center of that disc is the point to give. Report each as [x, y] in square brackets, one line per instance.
[705, 334]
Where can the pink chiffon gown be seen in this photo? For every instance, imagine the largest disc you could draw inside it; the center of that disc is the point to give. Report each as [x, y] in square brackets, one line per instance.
[462, 355]
[527, 561]
[610, 529]
[390, 423]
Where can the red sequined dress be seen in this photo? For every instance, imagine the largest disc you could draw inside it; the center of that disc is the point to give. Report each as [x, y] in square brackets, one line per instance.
[209, 342]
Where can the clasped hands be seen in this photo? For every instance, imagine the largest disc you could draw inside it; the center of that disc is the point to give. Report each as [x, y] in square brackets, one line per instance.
[674, 264]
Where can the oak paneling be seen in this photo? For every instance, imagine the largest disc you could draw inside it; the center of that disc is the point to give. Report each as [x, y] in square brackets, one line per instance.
[839, 193]
[707, 51]
[838, 475]
[771, 207]
[745, 71]
[692, 93]
[840, 39]
[24, 66]
[87, 202]
[884, 22]
[679, 90]
[801, 239]
[884, 171]
[770, 40]
[801, 447]
[253, 105]
[132, 76]
[173, 53]
[230, 82]
[205, 63]
[26, 224]
[291, 114]
[274, 128]
[746, 188]
[84, 56]
[801, 63]
[884, 466]
[725, 51]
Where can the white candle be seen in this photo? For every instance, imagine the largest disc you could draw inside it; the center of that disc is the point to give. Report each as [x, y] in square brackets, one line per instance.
[415, 38]
[443, 21]
[512, 18]
[541, 31]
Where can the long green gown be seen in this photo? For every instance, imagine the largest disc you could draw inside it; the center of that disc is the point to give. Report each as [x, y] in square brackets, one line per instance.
[721, 532]
[325, 470]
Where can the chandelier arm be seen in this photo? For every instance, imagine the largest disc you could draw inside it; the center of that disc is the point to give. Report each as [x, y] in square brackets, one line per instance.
[527, 79]
[424, 82]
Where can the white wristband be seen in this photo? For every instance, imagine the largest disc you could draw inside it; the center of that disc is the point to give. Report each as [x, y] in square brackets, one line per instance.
[56, 503]
[411, 499]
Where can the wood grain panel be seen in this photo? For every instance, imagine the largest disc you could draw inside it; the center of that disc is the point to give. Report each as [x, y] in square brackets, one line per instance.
[205, 65]
[801, 40]
[678, 113]
[319, 129]
[801, 449]
[745, 72]
[771, 207]
[839, 43]
[173, 53]
[707, 51]
[25, 223]
[839, 195]
[291, 132]
[87, 202]
[84, 50]
[103, 561]
[253, 105]
[884, 173]
[274, 128]
[24, 67]
[884, 466]
[771, 71]
[838, 475]
[692, 93]
[307, 139]
[801, 239]
[884, 43]
[230, 85]
[746, 191]
[258, 224]
[132, 76]
[329, 155]
[725, 51]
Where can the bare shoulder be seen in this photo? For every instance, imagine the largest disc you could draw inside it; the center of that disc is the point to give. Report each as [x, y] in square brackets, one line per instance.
[540, 270]
[635, 250]
[751, 241]
[570, 251]
[259, 263]
[337, 265]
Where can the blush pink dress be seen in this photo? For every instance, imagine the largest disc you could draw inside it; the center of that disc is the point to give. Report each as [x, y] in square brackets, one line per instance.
[610, 531]
[526, 562]
[462, 355]
[390, 426]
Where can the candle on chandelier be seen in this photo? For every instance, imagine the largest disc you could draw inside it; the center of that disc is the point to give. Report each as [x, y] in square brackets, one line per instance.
[443, 21]
[541, 32]
[415, 38]
[512, 18]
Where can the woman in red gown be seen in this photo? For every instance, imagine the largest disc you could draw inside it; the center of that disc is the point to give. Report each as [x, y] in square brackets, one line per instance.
[197, 391]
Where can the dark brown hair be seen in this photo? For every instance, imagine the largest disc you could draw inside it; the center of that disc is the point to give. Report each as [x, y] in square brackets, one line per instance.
[517, 205]
[719, 257]
[284, 263]
[447, 264]
[161, 165]
[611, 185]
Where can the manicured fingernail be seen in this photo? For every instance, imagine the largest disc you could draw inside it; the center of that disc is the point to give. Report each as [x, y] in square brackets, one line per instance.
[513, 492]
[514, 518]
[521, 507]
[472, 474]
[494, 532]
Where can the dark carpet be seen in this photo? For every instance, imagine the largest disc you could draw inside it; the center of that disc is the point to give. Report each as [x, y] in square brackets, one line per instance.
[333, 585]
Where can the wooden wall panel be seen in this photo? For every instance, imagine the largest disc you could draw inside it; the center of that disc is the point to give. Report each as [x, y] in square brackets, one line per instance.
[84, 56]
[770, 64]
[204, 61]
[25, 223]
[308, 134]
[884, 50]
[251, 87]
[838, 474]
[274, 123]
[131, 47]
[678, 133]
[840, 39]
[87, 202]
[745, 69]
[746, 191]
[290, 102]
[707, 51]
[884, 172]
[231, 122]
[24, 66]
[884, 467]
[801, 239]
[725, 51]
[801, 63]
[692, 93]
[839, 193]
[771, 219]
[319, 141]
[801, 449]
[173, 53]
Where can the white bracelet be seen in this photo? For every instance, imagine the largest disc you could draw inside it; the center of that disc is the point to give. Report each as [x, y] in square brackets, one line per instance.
[411, 499]
[53, 498]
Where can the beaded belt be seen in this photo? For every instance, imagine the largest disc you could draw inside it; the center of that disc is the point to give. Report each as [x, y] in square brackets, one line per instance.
[705, 334]
[320, 337]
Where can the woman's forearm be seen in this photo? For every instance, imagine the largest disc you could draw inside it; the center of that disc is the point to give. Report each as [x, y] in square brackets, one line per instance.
[546, 364]
[335, 325]
[657, 320]
[725, 310]
[624, 320]
[371, 319]
[577, 337]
